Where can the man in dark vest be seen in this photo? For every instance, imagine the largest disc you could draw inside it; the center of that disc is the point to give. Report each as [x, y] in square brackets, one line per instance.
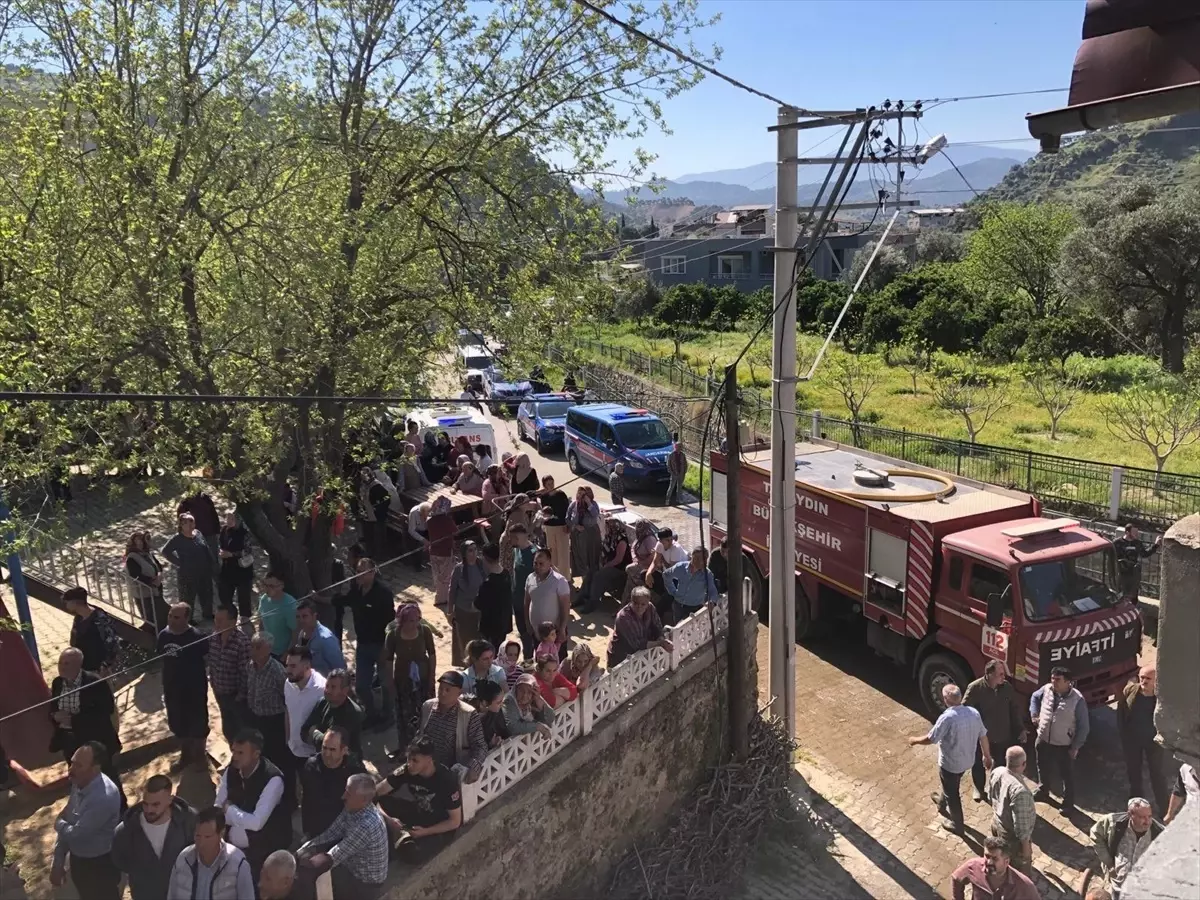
[1060, 716]
[251, 793]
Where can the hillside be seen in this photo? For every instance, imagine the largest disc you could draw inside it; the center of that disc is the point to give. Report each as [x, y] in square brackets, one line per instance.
[763, 174]
[1166, 151]
[946, 188]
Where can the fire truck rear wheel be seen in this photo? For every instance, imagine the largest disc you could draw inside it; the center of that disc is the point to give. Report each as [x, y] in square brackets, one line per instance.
[938, 670]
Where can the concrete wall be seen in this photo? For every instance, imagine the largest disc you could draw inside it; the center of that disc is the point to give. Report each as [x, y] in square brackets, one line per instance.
[559, 832]
[1171, 867]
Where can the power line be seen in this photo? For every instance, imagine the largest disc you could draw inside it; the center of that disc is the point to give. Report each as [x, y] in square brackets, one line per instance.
[940, 100]
[69, 396]
[690, 60]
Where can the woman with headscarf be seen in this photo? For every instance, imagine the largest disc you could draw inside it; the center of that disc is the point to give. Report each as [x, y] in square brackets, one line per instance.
[469, 480]
[521, 509]
[409, 474]
[440, 529]
[582, 667]
[465, 581]
[525, 477]
[236, 574]
[411, 659]
[644, 540]
[583, 520]
[495, 494]
[145, 574]
[610, 578]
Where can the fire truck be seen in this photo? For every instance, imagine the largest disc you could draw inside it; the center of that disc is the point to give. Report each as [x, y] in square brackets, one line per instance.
[946, 572]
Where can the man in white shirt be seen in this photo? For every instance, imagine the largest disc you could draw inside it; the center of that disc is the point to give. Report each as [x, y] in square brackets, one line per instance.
[304, 689]
[667, 552]
[251, 795]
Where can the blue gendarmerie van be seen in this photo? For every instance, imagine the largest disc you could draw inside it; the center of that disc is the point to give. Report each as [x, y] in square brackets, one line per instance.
[597, 435]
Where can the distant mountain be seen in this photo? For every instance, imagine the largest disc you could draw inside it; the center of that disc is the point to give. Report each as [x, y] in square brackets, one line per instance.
[762, 174]
[941, 189]
[1166, 151]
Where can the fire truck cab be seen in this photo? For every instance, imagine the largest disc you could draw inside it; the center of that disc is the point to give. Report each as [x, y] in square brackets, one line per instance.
[946, 572]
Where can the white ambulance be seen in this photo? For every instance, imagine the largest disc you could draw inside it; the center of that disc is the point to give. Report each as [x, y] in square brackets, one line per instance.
[456, 421]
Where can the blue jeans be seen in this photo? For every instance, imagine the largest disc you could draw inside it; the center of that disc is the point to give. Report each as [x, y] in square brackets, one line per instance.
[365, 662]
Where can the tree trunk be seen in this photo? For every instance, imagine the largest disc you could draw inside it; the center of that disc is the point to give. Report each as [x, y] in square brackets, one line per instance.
[1172, 333]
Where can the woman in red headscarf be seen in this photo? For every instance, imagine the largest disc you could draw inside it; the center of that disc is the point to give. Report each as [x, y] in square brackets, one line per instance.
[410, 657]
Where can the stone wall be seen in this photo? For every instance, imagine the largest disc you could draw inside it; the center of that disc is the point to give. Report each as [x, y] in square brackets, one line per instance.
[559, 832]
[687, 417]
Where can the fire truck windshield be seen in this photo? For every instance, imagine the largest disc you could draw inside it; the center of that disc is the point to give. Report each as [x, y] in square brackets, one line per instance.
[1068, 587]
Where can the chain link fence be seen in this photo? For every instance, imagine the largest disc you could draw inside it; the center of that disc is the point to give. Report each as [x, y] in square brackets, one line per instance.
[1081, 488]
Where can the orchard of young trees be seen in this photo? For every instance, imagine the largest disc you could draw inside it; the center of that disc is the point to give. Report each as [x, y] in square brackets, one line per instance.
[1031, 299]
[292, 198]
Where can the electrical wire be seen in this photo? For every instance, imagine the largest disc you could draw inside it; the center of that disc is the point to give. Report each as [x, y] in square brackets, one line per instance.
[938, 101]
[690, 60]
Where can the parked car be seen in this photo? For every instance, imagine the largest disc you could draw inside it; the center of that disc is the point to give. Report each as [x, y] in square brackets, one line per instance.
[541, 419]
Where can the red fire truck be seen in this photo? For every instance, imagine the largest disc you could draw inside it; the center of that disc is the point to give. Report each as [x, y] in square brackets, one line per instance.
[948, 573]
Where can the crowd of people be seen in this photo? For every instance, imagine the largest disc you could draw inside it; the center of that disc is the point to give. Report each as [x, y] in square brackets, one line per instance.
[985, 730]
[294, 715]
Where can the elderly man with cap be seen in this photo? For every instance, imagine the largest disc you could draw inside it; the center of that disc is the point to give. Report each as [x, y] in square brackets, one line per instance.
[454, 727]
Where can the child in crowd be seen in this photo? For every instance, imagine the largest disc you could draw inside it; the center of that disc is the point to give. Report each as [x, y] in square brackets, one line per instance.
[616, 484]
[510, 660]
[548, 641]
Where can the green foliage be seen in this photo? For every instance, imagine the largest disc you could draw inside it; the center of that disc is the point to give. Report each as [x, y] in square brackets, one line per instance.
[1135, 261]
[889, 265]
[948, 315]
[298, 200]
[1115, 373]
[1016, 251]
[976, 394]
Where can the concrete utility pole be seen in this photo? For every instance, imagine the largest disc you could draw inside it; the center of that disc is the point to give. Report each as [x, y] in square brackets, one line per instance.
[782, 583]
[739, 713]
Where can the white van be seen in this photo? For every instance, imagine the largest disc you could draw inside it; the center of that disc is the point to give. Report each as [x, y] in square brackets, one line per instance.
[456, 421]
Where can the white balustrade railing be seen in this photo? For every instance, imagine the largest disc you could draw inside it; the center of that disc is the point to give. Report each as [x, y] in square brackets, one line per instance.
[517, 757]
[66, 566]
[620, 683]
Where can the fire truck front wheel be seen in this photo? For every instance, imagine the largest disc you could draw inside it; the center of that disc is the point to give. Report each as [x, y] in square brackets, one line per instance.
[938, 670]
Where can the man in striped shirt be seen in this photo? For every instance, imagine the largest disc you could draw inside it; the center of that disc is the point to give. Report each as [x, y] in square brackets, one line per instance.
[264, 699]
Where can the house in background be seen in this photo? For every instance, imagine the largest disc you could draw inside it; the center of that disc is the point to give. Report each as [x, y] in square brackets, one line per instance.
[733, 246]
[932, 219]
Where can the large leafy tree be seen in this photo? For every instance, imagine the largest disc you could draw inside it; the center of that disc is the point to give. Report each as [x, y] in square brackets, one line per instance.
[1016, 251]
[1136, 262]
[299, 199]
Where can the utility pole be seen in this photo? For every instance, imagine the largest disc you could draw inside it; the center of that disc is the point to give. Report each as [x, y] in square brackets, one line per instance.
[739, 714]
[900, 153]
[782, 583]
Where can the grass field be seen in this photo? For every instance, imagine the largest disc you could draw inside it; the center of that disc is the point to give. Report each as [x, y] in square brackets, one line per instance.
[1082, 433]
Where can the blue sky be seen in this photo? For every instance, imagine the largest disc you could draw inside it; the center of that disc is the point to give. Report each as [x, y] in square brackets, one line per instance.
[848, 53]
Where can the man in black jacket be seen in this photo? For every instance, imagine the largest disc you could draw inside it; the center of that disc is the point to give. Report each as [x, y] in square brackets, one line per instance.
[374, 607]
[323, 781]
[150, 838]
[185, 685]
[337, 708]
[1130, 553]
[81, 709]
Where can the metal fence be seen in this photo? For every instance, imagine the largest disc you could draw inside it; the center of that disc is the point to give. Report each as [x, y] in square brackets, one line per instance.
[1082, 488]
